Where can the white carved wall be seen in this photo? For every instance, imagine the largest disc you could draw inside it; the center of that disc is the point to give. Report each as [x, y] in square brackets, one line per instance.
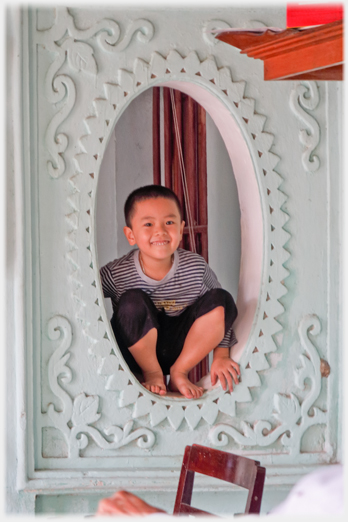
[88, 422]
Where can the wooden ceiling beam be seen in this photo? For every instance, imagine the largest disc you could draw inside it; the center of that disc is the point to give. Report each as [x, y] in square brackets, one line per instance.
[315, 53]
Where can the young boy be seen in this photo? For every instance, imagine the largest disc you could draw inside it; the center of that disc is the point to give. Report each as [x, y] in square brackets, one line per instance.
[169, 308]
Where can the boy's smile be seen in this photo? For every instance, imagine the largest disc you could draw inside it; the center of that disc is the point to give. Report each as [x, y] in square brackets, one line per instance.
[157, 230]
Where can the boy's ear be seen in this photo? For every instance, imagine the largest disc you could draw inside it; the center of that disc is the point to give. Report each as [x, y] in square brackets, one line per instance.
[182, 228]
[128, 232]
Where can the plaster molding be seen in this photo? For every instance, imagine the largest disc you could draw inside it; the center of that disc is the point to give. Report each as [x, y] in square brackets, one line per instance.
[209, 27]
[75, 417]
[304, 97]
[294, 418]
[82, 258]
[57, 144]
[68, 43]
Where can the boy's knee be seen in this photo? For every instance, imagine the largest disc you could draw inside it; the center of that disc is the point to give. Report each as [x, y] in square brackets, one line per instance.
[218, 313]
[133, 302]
[135, 295]
[230, 306]
[221, 297]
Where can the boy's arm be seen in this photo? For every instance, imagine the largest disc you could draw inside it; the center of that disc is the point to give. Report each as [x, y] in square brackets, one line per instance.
[224, 368]
[107, 282]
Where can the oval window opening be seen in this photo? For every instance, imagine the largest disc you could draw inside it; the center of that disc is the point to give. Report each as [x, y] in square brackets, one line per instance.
[230, 237]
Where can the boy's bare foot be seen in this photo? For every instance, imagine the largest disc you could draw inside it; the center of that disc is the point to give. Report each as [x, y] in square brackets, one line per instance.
[154, 382]
[181, 383]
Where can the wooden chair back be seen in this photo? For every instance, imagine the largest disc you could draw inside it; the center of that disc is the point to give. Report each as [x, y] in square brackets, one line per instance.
[238, 470]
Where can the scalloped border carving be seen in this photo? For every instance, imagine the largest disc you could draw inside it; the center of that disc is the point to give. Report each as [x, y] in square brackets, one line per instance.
[82, 256]
[293, 418]
[76, 417]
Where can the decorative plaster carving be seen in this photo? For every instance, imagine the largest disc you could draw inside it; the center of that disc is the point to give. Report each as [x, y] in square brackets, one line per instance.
[67, 42]
[57, 143]
[76, 417]
[209, 27]
[304, 97]
[293, 418]
[81, 255]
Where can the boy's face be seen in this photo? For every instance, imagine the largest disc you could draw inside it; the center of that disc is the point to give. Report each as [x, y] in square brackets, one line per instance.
[156, 228]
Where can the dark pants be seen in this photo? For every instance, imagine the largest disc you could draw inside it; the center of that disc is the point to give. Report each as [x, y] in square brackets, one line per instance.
[136, 315]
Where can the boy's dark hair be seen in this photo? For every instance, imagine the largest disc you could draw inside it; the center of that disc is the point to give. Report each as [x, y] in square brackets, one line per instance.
[148, 192]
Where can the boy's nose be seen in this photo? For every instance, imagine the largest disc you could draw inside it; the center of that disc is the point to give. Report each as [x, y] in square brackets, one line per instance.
[160, 229]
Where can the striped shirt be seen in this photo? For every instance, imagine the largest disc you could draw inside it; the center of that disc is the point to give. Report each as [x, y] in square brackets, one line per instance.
[189, 278]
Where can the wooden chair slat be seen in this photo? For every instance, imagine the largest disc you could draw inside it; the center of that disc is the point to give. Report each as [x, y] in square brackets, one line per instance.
[236, 469]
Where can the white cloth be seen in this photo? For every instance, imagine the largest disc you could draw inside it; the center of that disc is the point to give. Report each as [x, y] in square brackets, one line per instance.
[318, 493]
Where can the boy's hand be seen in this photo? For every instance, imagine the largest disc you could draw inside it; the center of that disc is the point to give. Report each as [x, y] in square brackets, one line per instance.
[224, 368]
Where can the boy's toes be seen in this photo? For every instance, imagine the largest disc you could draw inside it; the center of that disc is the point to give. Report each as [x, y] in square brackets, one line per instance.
[199, 392]
[193, 392]
[180, 382]
[154, 388]
[186, 392]
[158, 390]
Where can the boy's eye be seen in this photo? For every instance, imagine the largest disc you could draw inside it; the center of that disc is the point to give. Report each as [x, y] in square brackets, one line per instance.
[147, 224]
[170, 223]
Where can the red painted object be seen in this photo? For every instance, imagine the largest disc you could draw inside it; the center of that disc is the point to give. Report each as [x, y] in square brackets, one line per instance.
[238, 470]
[304, 15]
[156, 143]
[294, 54]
